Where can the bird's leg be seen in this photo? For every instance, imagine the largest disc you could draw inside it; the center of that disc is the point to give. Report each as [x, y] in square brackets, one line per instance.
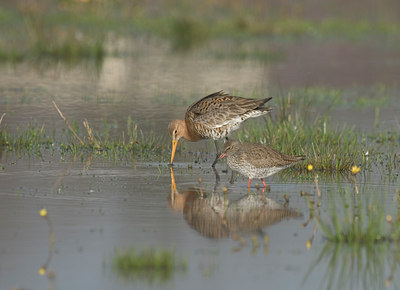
[217, 179]
[263, 182]
[265, 185]
[263, 196]
[218, 153]
[232, 177]
[248, 185]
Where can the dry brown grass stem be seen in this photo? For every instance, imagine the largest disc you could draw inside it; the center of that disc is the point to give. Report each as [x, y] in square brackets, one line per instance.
[2, 116]
[92, 139]
[68, 124]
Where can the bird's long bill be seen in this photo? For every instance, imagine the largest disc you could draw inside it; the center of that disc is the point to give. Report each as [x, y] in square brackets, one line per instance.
[174, 144]
[222, 156]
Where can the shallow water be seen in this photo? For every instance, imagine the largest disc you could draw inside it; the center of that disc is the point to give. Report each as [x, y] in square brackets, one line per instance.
[97, 206]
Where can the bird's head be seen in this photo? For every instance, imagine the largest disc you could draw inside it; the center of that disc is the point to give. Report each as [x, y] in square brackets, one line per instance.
[176, 129]
[230, 147]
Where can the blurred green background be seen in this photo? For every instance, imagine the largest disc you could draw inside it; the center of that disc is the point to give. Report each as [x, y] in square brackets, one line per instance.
[75, 29]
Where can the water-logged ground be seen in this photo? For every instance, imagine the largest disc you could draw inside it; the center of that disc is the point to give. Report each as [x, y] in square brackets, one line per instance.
[96, 206]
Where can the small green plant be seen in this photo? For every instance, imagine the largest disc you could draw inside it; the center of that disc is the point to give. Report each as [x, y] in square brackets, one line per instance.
[151, 264]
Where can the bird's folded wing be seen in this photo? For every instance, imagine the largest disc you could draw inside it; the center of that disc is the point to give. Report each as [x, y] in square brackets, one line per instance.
[217, 118]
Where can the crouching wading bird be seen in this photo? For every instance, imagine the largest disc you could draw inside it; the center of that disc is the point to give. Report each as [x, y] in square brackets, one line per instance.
[256, 160]
[215, 117]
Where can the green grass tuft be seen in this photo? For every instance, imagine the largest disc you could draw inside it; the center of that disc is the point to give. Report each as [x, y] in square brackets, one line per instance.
[132, 142]
[327, 149]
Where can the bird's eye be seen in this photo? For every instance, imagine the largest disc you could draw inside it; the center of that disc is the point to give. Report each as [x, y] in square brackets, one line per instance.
[176, 131]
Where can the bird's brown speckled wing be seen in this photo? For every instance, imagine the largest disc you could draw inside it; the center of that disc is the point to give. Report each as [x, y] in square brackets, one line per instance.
[262, 156]
[219, 109]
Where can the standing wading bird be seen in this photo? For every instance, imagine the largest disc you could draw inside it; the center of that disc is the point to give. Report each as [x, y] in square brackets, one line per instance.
[256, 160]
[215, 117]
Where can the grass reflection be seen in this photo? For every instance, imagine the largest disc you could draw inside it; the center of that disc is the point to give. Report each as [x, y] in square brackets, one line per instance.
[355, 266]
[149, 264]
[362, 249]
[360, 219]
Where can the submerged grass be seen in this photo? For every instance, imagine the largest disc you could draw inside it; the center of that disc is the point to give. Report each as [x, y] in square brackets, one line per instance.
[362, 240]
[362, 217]
[362, 231]
[151, 264]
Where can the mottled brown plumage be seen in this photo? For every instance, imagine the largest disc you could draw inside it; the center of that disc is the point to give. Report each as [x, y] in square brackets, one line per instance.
[256, 160]
[215, 117]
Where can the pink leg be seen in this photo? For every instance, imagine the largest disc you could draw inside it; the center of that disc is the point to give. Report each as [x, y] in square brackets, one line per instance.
[262, 180]
[248, 185]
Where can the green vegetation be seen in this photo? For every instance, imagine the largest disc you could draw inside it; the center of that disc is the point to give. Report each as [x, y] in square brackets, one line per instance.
[299, 133]
[132, 142]
[150, 264]
[328, 150]
[293, 128]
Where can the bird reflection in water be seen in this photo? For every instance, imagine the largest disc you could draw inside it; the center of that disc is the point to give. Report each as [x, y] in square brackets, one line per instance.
[217, 216]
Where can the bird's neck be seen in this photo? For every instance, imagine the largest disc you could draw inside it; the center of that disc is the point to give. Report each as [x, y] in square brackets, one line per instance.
[189, 134]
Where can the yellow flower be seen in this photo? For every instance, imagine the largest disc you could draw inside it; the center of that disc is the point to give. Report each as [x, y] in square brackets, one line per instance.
[308, 244]
[355, 169]
[42, 271]
[389, 218]
[309, 167]
[43, 212]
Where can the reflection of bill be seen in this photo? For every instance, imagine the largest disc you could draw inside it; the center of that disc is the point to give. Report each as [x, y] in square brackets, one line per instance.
[216, 216]
[1, 147]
